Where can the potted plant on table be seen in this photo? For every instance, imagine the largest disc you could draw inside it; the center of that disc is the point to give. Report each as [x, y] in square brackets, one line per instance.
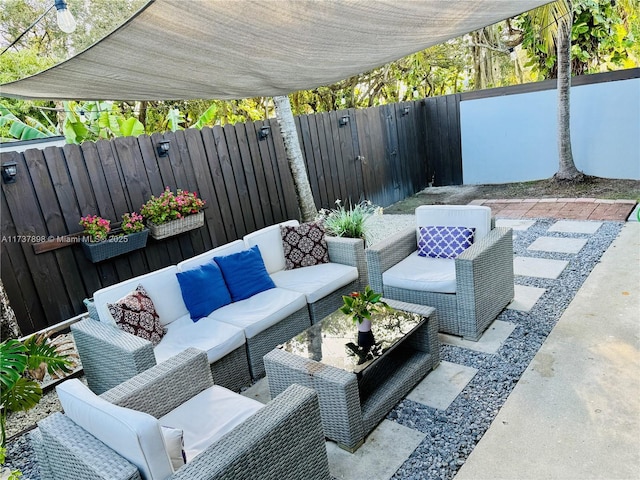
[361, 305]
[173, 213]
[100, 243]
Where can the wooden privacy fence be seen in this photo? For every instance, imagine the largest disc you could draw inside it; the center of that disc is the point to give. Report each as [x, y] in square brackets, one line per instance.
[381, 154]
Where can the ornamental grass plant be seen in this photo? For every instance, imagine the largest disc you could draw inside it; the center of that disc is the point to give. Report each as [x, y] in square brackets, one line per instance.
[348, 222]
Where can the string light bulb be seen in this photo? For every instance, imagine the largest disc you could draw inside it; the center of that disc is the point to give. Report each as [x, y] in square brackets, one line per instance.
[66, 22]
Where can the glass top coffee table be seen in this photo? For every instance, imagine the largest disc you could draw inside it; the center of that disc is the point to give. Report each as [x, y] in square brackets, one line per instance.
[359, 376]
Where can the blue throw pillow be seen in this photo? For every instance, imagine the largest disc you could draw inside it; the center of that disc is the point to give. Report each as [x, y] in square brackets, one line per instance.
[444, 242]
[203, 290]
[245, 273]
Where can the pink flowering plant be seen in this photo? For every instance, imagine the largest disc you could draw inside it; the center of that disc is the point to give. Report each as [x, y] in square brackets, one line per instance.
[171, 206]
[95, 227]
[132, 222]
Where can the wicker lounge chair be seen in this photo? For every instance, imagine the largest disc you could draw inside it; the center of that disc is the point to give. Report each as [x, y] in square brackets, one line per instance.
[472, 289]
[282, 440]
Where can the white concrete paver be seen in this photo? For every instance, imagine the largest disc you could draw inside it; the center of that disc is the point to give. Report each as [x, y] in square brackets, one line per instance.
[443, 385]
[575, 226]
[491, 340]
[560, 245]
[538, 267]
[385, 450]
[259, 391]
[515, 224]
[525, 297]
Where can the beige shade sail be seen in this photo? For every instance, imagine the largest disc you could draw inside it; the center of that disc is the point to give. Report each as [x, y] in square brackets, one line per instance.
[231, 49]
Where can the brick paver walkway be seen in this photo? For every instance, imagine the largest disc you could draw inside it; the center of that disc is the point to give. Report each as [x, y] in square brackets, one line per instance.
[565, 208]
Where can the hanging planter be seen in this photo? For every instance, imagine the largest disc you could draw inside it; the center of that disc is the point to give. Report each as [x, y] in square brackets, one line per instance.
[177, 226]
[173, 213]
[114, 246]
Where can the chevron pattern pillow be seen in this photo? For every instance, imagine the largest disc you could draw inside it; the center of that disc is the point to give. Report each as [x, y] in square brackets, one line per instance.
[444, 242]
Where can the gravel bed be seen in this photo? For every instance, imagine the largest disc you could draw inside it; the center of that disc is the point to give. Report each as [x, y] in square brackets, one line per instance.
[451, 435]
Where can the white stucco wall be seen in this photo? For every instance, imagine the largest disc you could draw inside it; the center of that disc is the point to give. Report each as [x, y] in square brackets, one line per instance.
[513, 138]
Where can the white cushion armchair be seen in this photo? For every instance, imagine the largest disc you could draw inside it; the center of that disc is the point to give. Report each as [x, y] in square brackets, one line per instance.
[129, 432]
[468, 291]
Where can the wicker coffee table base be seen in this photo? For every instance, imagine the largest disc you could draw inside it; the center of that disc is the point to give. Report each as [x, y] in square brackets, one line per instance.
[351, 409]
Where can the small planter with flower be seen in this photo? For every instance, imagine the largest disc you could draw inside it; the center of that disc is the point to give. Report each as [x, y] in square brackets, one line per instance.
[361, 305]
[173, 213]
[100, 243]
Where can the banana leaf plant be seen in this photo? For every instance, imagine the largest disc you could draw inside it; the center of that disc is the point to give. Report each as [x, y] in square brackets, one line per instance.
[23, 364]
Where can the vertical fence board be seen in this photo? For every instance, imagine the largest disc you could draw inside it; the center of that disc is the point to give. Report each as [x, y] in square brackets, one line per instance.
[219, 199]
[251, 132]
[249, 176]
[65, 217]
[270, 173]
[16, 272]
[48, 281]
[325, 189]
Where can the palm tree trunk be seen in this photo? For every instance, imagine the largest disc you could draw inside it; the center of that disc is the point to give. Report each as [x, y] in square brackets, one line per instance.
[8, 323]
[284, 115]
[567, 169]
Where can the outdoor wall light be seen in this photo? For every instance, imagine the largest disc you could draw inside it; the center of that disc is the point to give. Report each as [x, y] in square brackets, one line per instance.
[9, 172]
[405, 111]
[344, 120]
[264, 132]
[163, 148]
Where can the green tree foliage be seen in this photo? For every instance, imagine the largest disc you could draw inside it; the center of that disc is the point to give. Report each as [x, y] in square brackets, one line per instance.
[98, 120]
[603, 37]
[23, 365]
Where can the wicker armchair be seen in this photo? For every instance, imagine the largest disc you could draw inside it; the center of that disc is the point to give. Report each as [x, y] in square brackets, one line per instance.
[282, 440]
[483, 282]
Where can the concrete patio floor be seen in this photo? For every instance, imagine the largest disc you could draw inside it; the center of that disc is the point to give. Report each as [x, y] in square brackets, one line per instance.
[575, 412]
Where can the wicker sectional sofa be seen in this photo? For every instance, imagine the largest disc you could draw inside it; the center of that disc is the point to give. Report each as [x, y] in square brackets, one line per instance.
[235, 336]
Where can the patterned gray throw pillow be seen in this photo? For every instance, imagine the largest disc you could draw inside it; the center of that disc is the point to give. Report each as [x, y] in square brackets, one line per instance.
[136, 314]
[304, 245]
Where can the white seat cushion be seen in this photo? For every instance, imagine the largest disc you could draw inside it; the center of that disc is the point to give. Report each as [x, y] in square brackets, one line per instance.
[476, 216]
[135, 435]
[316, 281]
[269, 241]
[162, 287]
[423, 274]
[216, 338]
[259, 312]
[206, 417]
[206, 257]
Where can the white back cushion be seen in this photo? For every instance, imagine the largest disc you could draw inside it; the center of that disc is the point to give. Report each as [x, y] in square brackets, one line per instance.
[269, 241]
[206, 257]
[477, 216]
[163, 289]
[134, 435]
